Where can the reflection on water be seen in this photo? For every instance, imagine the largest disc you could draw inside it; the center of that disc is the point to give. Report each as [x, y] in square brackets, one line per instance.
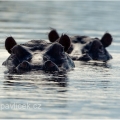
[13, 80]
[91, 90]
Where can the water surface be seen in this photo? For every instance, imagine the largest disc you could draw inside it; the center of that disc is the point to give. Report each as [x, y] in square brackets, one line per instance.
[88, 91]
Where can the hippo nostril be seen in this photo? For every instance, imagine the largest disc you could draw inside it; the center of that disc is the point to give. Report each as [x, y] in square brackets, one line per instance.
[95, 59]
[50, 66]
[23, 67]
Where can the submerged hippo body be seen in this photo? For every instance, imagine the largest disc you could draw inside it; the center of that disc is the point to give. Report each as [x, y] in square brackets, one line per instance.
[37, 55]
[84, 48]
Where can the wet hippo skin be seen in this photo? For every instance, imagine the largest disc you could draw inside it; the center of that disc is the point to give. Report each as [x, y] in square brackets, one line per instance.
[37, 55]
[84, 48]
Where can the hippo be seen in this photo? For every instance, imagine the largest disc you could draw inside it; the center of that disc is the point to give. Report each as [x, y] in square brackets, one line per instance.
[85, 48]
[38, 55]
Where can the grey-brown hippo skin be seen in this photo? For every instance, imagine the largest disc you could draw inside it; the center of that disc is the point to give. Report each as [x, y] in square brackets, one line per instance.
[54, 59]
[56, 54]
[36, 55]
[17, 56]
[85, 48]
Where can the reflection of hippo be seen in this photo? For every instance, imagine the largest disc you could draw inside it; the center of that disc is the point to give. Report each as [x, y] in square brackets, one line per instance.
[85, 48]
[37, 55]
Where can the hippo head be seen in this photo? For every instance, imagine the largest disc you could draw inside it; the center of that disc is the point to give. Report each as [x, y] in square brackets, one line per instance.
[96, 49]
[54, 59]
[54, 54]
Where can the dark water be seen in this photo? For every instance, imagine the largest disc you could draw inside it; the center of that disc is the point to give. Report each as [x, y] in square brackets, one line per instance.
[88, 91]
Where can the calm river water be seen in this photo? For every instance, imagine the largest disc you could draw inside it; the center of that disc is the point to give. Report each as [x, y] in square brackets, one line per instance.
[88, 91]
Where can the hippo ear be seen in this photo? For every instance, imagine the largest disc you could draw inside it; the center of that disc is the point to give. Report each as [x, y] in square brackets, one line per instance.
[65, 42]
[53, 35]
[9, 44]
[106, 40]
